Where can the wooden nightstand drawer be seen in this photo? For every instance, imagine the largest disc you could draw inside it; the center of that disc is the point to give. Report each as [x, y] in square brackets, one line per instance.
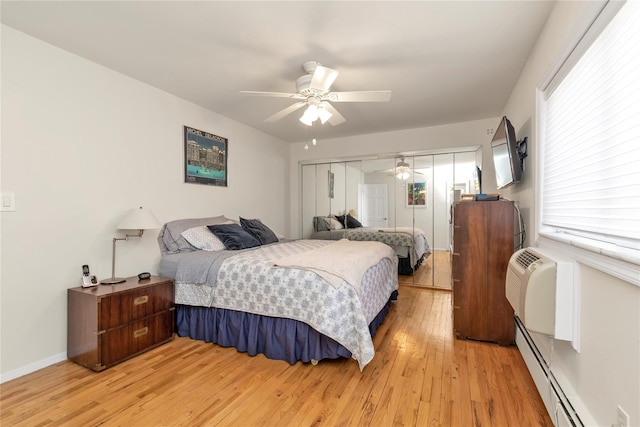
[107, 324]
[124, 307]
[136, 337]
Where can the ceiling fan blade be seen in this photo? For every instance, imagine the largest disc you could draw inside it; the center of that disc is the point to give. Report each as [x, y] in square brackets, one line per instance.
[390, 171]
[271, 94]
[360, 96]
[282, 113]
[323, 78]
[336, 118]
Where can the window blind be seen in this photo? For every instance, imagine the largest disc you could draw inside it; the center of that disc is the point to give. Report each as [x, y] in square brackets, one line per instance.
[591, 137]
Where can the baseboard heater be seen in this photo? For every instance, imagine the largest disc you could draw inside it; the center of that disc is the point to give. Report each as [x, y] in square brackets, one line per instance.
[562, 413]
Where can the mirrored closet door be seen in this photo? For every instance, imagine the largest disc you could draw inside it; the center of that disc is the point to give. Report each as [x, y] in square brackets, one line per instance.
[403, 201]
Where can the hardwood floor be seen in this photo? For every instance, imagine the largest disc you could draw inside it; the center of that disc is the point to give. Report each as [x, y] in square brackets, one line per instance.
[420, 376]
[434, 272]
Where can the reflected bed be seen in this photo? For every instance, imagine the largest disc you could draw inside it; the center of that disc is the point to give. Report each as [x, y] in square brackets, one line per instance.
[410, 244]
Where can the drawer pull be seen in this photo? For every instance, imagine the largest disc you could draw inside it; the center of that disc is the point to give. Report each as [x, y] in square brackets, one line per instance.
[141, 300]
[140, 332]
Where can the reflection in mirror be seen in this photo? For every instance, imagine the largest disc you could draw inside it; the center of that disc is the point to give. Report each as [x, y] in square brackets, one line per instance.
[353, 180]
[478, 173]
[337, 181]
[309, 208]
[403, 201]
[375, 193]
[414, 208]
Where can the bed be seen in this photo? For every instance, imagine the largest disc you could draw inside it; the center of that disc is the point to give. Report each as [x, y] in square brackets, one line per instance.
[410, 244]
[286, 299]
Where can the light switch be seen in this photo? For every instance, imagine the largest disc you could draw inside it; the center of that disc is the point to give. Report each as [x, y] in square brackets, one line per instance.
[8, 201]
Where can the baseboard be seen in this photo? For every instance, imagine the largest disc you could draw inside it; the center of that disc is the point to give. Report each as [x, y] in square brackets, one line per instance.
[564, 410]
[32, 367]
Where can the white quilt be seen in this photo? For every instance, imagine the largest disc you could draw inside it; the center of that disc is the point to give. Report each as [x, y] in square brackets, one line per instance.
[341, 261]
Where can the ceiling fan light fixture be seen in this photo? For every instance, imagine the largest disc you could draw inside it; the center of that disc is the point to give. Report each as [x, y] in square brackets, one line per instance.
[324, 114]
[306, 120]
[404, 175]
[310, 115]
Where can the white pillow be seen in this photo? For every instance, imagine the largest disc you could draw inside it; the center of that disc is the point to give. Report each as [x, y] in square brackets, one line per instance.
[334, 224]
[202, 238]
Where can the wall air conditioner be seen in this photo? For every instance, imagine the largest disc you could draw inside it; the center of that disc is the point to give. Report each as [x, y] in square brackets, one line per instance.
[540, 290]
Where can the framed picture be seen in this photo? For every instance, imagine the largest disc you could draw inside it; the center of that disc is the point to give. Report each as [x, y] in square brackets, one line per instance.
[416, 194]
[205, 158]
[331, 184]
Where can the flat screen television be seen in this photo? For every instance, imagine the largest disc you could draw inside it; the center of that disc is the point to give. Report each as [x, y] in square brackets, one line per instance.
[506, 156]
[477, 180]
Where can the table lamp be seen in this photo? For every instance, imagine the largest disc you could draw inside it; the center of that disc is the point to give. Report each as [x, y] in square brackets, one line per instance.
[137, 219]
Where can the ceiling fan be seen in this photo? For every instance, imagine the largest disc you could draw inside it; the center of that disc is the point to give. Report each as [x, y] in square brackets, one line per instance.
[402, 170]
[313, 91]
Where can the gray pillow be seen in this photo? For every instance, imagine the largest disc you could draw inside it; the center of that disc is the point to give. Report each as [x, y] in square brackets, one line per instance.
[320, 223]
[170, 239]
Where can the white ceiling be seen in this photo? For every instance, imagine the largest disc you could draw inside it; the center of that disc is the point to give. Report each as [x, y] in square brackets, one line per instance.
[444, 61]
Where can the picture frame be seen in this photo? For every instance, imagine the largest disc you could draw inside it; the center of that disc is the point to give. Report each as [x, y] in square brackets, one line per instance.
[416, 195]
[331, 184]
[205, 158]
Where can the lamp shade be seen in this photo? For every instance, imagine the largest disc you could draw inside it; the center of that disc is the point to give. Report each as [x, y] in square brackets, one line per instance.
[139, 219]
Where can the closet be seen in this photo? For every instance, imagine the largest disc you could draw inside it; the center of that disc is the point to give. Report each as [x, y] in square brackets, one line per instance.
[397, 192]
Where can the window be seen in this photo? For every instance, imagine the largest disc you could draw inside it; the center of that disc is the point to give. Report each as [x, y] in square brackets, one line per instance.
[590, 142]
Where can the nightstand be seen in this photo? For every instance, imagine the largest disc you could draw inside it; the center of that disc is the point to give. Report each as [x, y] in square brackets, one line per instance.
[108, 324]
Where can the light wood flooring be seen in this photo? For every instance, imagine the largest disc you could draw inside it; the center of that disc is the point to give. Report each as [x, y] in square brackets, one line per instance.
[420, 376]
[434, 272]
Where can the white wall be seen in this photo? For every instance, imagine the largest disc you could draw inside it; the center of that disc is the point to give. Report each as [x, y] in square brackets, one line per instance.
[606, 372]
[81, 145]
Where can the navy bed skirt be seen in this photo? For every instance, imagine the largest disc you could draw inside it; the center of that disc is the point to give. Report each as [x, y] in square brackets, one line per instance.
[276, 338]
[405, 268]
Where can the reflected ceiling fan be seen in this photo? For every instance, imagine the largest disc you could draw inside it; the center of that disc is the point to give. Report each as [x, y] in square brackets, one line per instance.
[402, 170]
[313, 92]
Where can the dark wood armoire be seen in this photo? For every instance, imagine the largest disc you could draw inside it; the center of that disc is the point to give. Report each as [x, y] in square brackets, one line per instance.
[483, 242]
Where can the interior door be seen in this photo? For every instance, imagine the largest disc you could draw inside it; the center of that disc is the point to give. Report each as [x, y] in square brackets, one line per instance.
[374, 205]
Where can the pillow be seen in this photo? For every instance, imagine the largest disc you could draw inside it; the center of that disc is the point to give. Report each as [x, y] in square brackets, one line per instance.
[335, 224]
[171, 240]
[342, 220]
[233, 236]
[257, 229]
[203, 239]
[321, 223]
[352, 222]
